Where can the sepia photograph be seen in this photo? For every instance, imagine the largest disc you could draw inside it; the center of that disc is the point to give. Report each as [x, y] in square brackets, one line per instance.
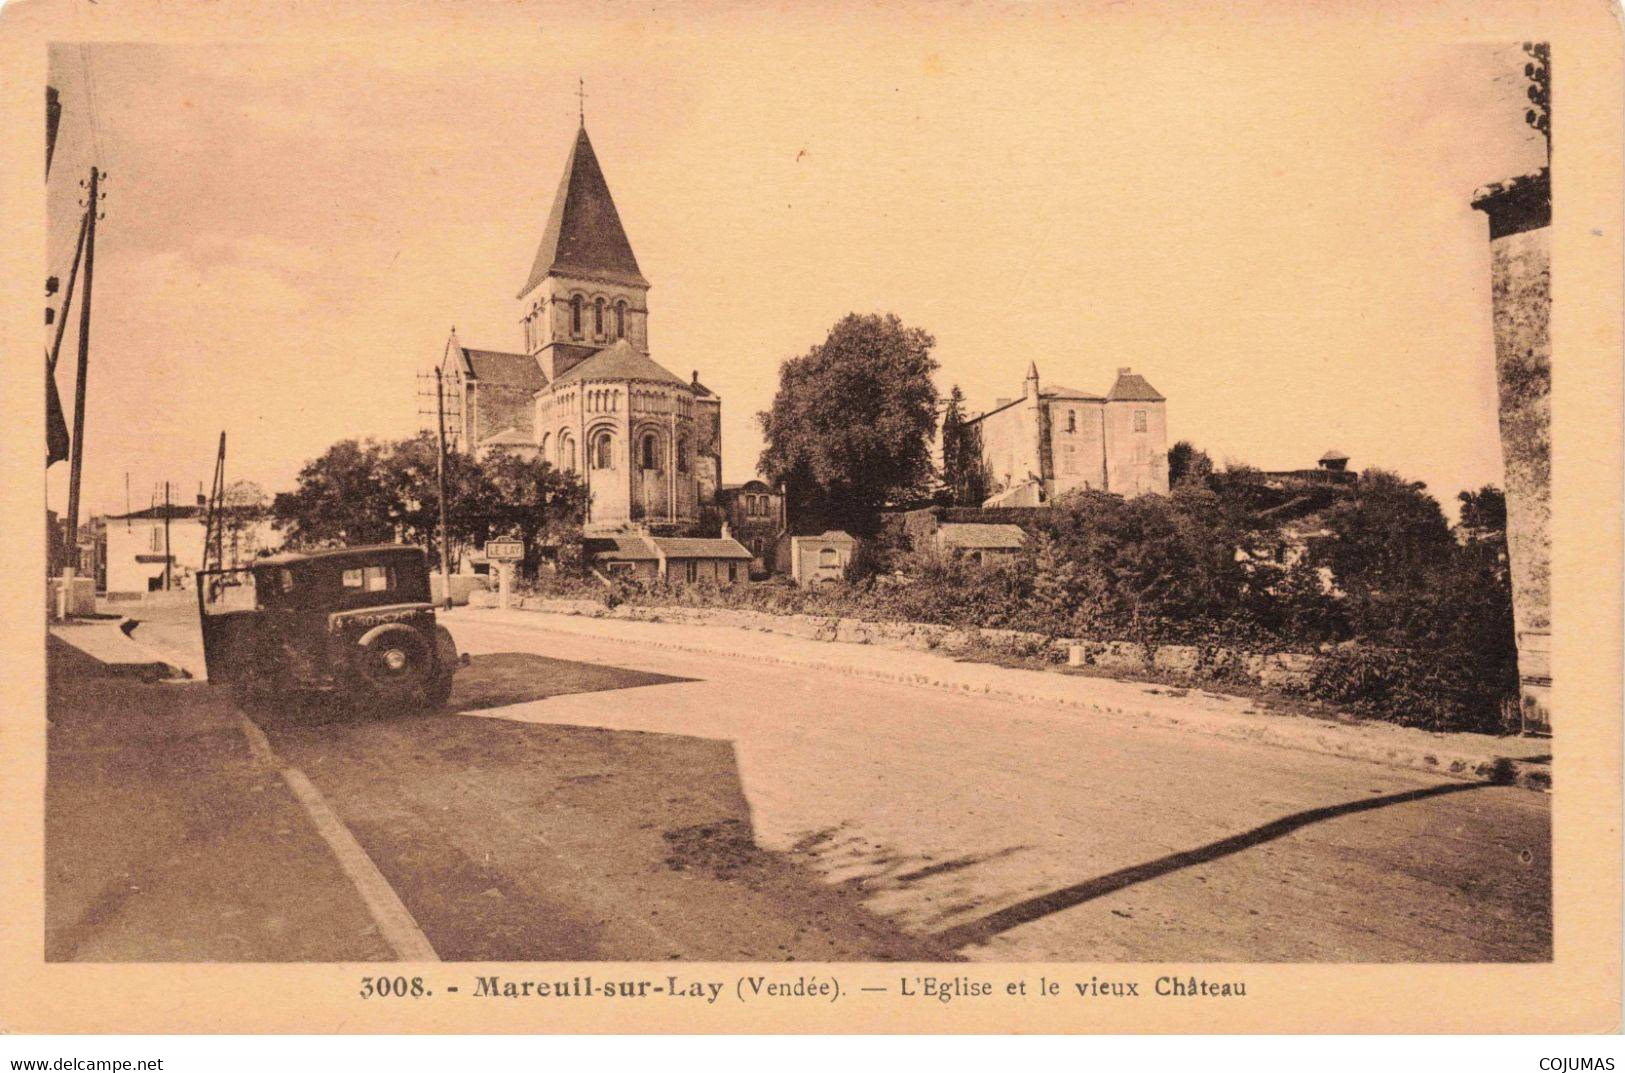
[969, 485]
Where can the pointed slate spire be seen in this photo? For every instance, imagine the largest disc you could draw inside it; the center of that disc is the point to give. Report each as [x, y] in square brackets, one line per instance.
[584, 236]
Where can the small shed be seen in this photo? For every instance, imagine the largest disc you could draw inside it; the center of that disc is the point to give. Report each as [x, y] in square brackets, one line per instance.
[825, 557]
[980, 541]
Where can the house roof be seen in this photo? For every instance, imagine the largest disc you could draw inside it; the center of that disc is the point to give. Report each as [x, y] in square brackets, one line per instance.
[701, 547]
[158, 513]
[632, 546]
[836, 536]
[584, 236]
[1132, 387]
[1060, 392]
[700, 390]
[981, 535]
[635, 546]
[619, 361]
[501, 367]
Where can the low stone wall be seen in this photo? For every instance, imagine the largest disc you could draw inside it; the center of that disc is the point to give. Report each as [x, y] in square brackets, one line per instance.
[1284, 671]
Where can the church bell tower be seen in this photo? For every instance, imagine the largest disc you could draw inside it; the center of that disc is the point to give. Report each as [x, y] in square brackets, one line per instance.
[585, 291]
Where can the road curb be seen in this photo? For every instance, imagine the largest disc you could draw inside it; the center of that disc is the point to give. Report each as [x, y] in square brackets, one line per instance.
[1301, 733]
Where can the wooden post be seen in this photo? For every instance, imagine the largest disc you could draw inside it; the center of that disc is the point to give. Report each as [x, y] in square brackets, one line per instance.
[77, 459]
[168, 558]
[445, 536]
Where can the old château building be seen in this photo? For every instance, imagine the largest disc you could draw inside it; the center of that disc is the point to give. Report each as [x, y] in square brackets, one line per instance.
[584, 394]
[1053, 440]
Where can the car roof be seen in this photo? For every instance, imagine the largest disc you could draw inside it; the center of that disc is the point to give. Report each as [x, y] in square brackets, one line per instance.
[368, 551]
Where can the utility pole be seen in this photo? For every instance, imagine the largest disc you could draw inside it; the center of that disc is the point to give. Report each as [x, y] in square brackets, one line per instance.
[215, 518]
[168, 559]
[77, 465]
[445, 536]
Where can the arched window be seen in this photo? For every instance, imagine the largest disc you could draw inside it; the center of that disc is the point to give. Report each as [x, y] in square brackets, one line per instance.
[603, 446]
[620, 320]
[567, 454]
[598, 318]
[546, 443]
[575, 315]
[682, 456]
[1072, 420]
[649, 451]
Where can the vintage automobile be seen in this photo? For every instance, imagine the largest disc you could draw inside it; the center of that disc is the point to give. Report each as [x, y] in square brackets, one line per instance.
[352, 621]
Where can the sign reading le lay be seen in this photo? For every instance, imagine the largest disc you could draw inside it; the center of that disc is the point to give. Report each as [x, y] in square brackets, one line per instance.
[504, 550]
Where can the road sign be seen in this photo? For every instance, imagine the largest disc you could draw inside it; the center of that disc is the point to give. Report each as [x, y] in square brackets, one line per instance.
[504, 551]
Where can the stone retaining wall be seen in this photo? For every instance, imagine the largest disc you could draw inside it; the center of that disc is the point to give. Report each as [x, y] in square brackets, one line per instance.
[1285, 671]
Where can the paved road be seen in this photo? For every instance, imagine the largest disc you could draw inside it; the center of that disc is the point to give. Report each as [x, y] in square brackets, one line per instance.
[1014, 833]
[592, 798]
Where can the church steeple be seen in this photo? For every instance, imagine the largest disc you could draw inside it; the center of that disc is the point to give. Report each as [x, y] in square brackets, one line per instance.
[584, 238]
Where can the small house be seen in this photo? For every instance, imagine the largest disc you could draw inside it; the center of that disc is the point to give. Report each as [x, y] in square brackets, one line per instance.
[825, 557]
[672, 560]
[980, 542]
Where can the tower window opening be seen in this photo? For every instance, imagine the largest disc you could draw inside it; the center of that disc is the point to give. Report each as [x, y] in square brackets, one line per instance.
[620, 320]
[575, 315]
[598, 318]
[1139, 420]
[1072, 420]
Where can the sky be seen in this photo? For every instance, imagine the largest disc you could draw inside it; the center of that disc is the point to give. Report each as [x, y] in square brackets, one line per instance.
[1269, 220]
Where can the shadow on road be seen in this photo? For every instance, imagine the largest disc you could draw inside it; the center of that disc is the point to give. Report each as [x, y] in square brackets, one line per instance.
[1025, 912]
[489, 681]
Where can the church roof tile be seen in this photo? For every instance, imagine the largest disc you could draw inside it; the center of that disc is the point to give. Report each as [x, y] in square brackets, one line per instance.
[498, 367]
[584, 236]
[619, 361]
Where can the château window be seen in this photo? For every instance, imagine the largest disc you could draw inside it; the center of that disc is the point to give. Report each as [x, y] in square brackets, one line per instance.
[1072, 420]
[598, 318]
[1139, 420]
[575, 315]
[603, 446]
[620, 320]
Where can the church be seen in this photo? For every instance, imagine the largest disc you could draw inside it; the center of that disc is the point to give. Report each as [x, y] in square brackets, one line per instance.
[586, 396]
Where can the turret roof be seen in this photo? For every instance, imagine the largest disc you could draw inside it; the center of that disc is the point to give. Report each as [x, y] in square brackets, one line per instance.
[1132, 387]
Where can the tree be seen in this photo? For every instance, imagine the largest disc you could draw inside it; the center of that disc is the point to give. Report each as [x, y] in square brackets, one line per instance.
[1385, 536]
[244, 505]
[368, 492]
[1483, 514]
[850, 428]
[1186, 463]
[529, 499]
[340, 499]
[964, 480]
